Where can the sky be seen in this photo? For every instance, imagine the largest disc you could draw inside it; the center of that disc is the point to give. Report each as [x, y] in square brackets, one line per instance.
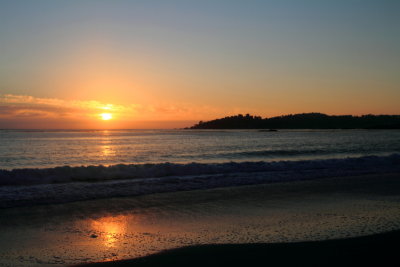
[170, 63]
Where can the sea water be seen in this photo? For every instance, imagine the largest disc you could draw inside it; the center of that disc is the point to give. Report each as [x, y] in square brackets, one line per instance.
[47, 149]
[62, 166]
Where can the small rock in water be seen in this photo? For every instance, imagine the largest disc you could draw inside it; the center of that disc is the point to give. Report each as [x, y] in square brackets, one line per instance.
[93, 236]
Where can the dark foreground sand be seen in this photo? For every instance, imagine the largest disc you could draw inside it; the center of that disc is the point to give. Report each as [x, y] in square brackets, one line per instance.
[277, 224]
[375, 250]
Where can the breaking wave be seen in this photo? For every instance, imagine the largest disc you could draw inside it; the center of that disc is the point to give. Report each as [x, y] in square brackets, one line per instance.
[20, 187]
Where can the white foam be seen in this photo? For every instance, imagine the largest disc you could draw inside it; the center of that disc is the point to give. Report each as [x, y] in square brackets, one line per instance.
[22, 187]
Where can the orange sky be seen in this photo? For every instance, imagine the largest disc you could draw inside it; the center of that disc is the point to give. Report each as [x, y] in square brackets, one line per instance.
[19, 111]
[156, 65]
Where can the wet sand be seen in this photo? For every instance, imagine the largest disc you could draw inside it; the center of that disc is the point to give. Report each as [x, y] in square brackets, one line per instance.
[125, 228]
[373, 250]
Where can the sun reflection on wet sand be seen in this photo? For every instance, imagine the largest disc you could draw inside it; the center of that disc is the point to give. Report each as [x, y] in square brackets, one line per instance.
[111, 229]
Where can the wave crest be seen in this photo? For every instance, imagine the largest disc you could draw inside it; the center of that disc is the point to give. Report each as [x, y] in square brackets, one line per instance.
[67, 174]
[26, 187]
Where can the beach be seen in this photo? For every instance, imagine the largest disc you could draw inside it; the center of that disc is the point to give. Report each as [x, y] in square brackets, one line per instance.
[131, 227]
[199, 133]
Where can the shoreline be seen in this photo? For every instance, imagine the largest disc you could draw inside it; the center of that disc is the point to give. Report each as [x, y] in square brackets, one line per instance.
[133, 227]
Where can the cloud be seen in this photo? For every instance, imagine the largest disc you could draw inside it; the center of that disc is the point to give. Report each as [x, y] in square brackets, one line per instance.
[22, 111]
[34, 107]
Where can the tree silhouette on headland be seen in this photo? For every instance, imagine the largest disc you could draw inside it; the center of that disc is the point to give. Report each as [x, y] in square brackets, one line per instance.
[303, 121]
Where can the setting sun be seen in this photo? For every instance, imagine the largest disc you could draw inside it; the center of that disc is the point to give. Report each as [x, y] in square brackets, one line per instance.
[106, 116]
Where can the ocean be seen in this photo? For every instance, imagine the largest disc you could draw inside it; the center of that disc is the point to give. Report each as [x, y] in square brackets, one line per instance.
[52, 166]
[72, 197]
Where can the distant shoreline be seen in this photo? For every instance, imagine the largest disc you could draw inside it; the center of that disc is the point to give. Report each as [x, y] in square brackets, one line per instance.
[302, 121]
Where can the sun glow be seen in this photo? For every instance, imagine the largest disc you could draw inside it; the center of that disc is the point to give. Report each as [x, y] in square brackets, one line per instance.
[106, 116]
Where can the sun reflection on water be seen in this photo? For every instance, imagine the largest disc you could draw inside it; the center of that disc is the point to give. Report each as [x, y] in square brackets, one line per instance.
[106, 147]
[107, 150]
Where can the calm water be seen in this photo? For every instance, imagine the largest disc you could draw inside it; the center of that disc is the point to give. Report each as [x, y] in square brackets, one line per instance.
[40, 149]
